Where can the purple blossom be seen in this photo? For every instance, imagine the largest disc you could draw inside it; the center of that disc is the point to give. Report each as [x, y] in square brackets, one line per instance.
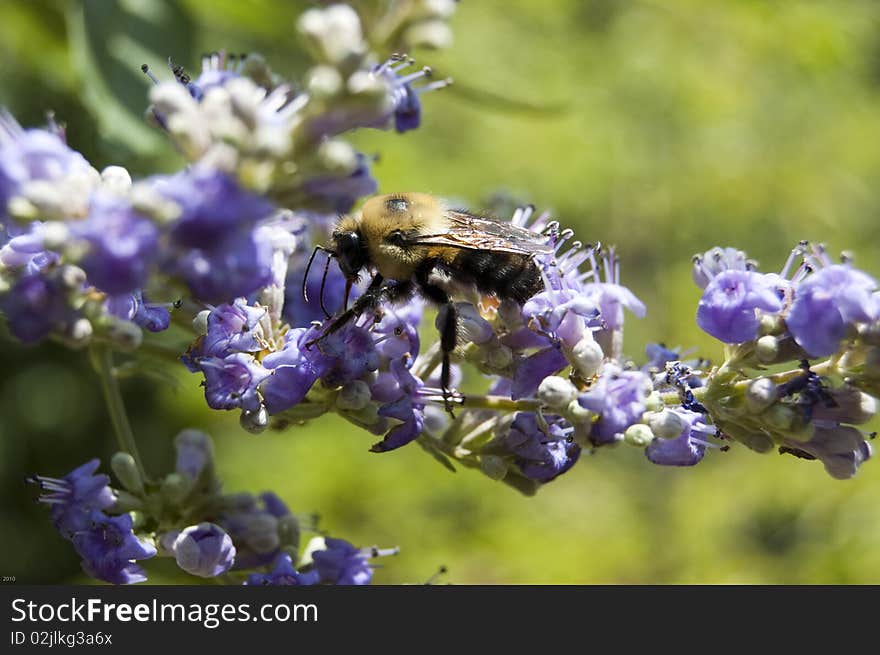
[560, 314]
[717, 260]
[406, 108]
[205, 550]
[234, 328]
[282, 574]
[347, 354]
[27, 252]
[133, 307]
[231, 382]
[540, 455]
[235, 266]
[35, 306]
[194, 453]
[73, 498]
[294, 369]
[534, 368]
[341, 563]
[32, 155]
[212, 205]
[841, 448]
[688, 448]
[121, 245]
[406, 407]
[618, 397]
[827, 303]
[340, 193]
[611, 299]
[729, 307]
[109, 549]
[252, 523]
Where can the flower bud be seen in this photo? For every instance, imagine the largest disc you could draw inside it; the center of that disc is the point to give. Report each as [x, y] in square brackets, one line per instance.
[494, 466]
[654, 402]
[334, 34]
[760, 394]
[587, 356]
[353, 396]
[771, 324]
[288, 531]
[126, 471]
[175, 487]
[125, 334]
[337, 156]
[80, 333]
[780, 417]
[72, 277]
[429, 34]
[205, 550]
[255, 421]
[200, 322]
[55, 235]
[767, 349]
[116, 180]
[849, 406]
[578, 414]
[665, 424]
[556, 392]
[195, 453]
[639, 435]
[324, 81]
[261, 533]
[127, 502]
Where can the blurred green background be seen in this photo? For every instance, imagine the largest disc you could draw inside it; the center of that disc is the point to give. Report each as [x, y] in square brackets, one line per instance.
[663, 127]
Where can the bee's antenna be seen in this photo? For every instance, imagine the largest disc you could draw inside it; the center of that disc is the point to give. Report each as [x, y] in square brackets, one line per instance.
[305, 292]
[323, 282]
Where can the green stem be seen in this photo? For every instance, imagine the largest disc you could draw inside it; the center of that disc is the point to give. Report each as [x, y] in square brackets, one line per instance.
[501, 403]
[103, 358]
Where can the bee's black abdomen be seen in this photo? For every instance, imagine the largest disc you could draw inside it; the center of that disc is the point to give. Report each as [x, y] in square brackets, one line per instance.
[505, 275]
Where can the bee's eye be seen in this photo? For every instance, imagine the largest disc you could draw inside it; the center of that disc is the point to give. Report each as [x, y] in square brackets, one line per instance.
[395, 238]
[396, 205]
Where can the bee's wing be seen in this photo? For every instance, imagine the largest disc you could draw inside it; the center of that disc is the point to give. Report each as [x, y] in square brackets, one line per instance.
[465, 230]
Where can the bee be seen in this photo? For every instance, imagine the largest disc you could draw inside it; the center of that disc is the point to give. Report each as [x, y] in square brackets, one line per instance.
[415, 243]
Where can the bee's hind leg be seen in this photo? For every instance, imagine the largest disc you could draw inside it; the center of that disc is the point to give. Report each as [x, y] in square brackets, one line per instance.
[448, 326]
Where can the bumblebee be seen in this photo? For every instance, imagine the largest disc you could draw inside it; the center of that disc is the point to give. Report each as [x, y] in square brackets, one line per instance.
[414, 243]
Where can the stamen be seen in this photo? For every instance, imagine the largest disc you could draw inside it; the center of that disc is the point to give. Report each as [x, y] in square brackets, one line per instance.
[145, 69]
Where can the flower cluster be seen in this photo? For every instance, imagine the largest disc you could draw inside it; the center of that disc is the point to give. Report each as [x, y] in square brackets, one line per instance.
[184, 515]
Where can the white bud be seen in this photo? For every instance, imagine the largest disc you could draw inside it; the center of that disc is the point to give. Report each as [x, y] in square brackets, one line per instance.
[761, 393]
[556, 392]
[125, 334]
[80, 332]
[324, 81]
[116, 180]
[335, 32]
[639, 435]
[353, 396]
[55, 234]
[587, 356]
[766, 349]
[577, 414]
[72, 277]
[654, 402]
[429, 34]
[200, 322]
[126, 471]
[665, 424]
[338, 156]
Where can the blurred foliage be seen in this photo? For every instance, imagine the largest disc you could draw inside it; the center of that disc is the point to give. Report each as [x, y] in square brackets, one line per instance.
[664, 127]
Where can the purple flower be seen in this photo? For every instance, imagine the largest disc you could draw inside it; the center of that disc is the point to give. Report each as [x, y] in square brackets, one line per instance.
[34, 306]
[618, 397]
[237, 265]
[841, 448]
[339, 194]
[406, 108]
[194, 453]
[716, 261]
[253, 525]
[234, 328]
[560, 314]
[32, 155]
[341, 563]
[347, 354]
[282, 574]
[122, 245]
[231, 382]
[109, 549]
[294, 370]
[534, 368]
[212, 205]
[826, 303]
[133, 307]
[205, 550]
[27, 252]
[397, 334]
[540, 455]
[406, 407]
[73, 498]
[612, 299]
[688, 448]
[729, 307]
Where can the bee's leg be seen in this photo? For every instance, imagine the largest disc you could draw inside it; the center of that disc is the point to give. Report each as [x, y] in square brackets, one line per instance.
[448, 330]
[372, 297]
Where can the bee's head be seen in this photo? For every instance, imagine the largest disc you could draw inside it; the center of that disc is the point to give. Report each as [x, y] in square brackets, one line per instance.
[350, 249]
